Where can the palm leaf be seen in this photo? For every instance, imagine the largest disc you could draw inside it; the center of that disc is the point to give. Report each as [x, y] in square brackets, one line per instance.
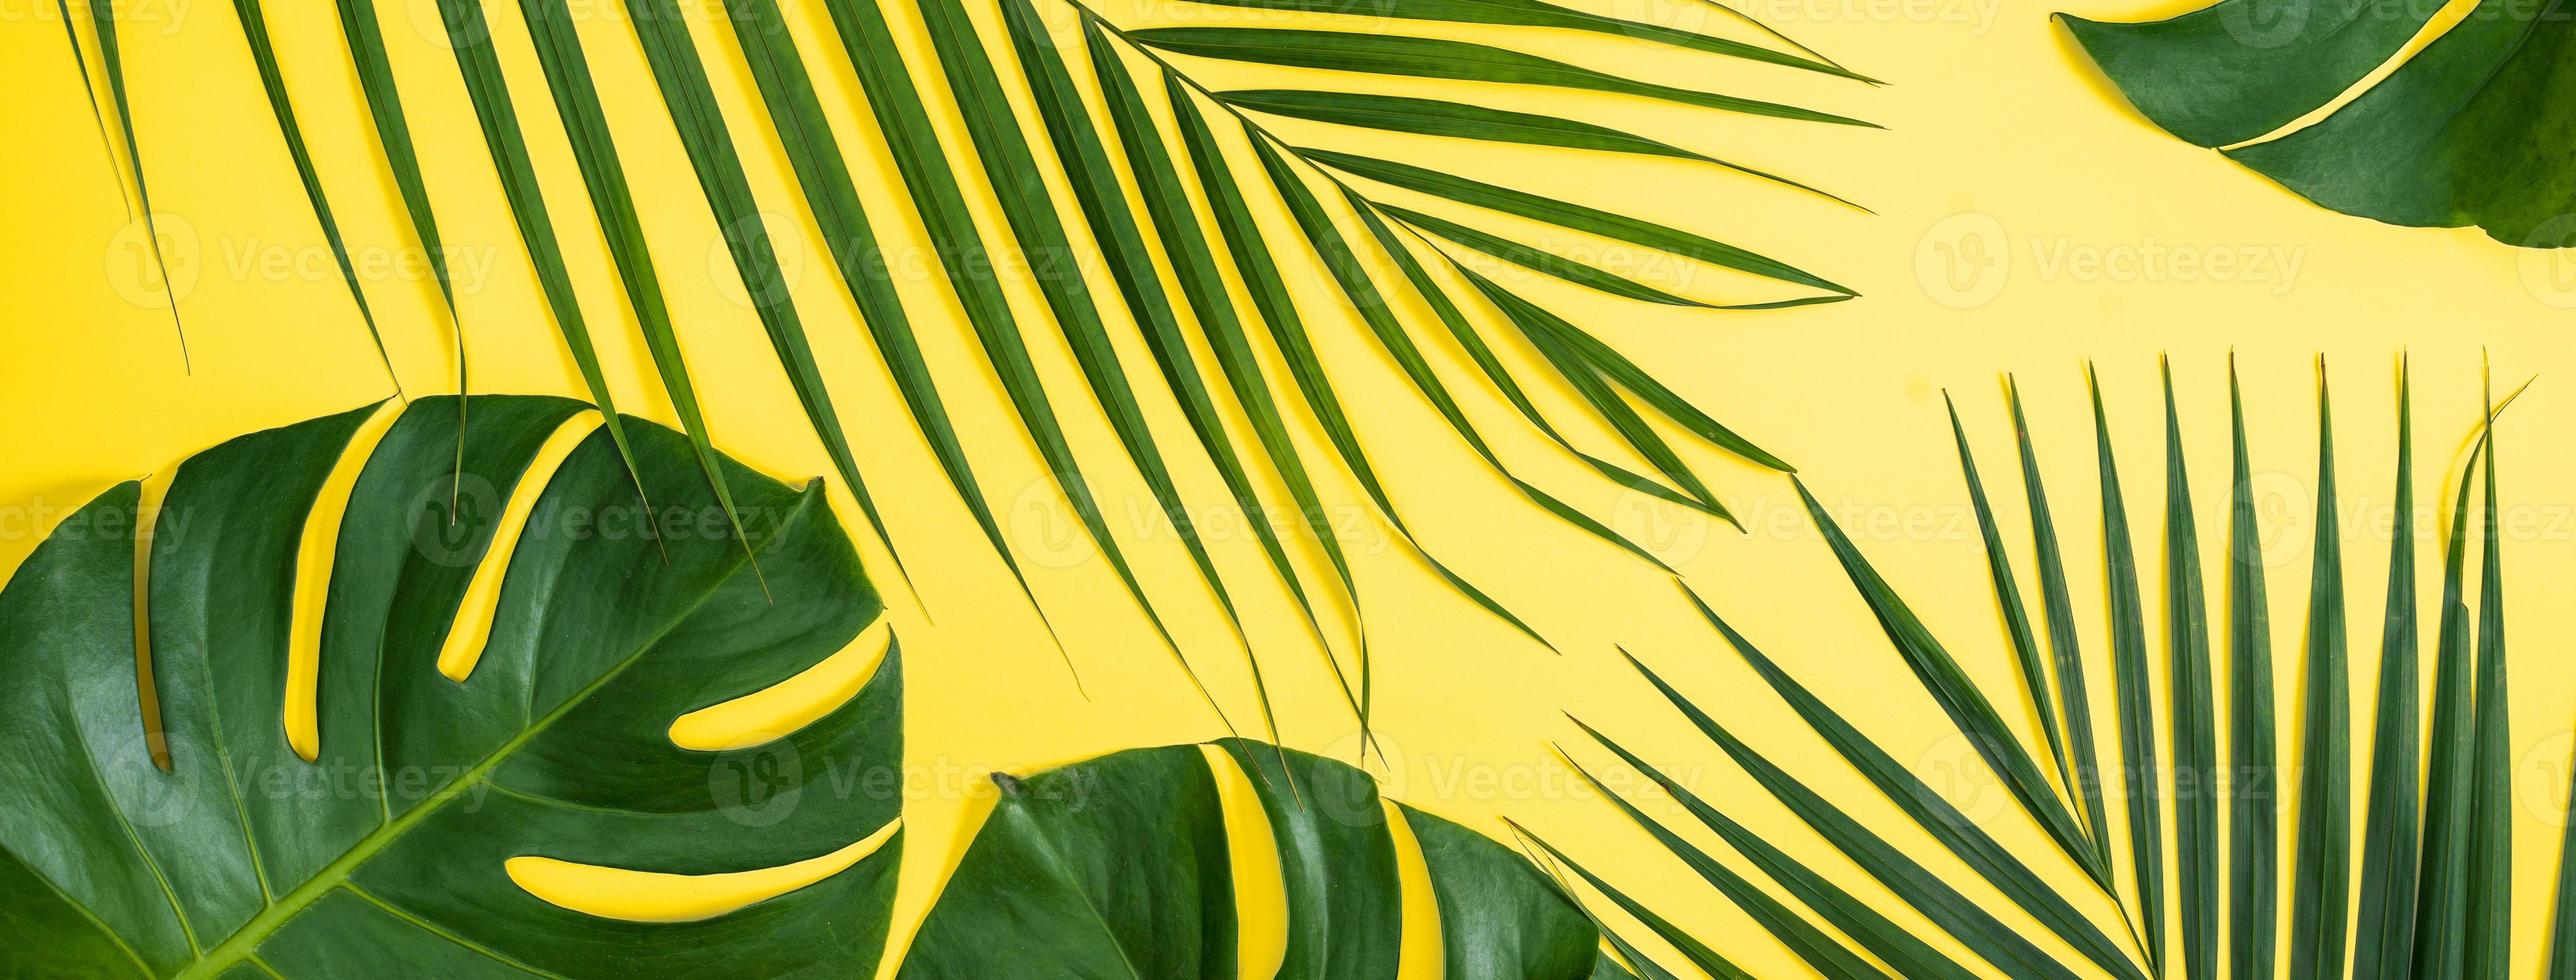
[976, 80]
[2465, 839]
[2384, 926]
[2195, 731]
[2132, 686]
[102, 16]
[2057, 608]
[396, 847]
[272, 84]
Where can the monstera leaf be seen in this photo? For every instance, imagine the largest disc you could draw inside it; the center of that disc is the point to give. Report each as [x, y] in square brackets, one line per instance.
[2470, 131]
[361, 794]
[1120, 867]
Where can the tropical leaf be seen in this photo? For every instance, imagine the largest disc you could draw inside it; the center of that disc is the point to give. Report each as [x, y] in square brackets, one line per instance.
[384, 719]
[1064, 59]
[1125, 866]
[2459, 847]
[2464, 131]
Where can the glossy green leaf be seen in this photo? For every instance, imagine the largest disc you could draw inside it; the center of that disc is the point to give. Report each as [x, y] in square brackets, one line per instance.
[2464, 131]
[2253, 774]
[385, 854]
[1119, 867]
[2321, 874]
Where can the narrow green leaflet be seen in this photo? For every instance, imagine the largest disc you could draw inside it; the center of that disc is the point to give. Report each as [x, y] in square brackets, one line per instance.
[2465, 131]
[1699, 953]
[1335, 253]
[1960, 915]
[1536, 13]
[385, 854]
[1259, 271]
[2488, 930]
[2425, 905]
[2195, 731]
[1027, 207]
[1941, 676]
[1433, 117]
[832, 198]
[272, 83]
[1539, 259]
[469, 36]
[612, 201]
[2321, 874]
[2026, 653]
[2074, 699]
[2132, 681]
[2384, 927]
[1419, 57]
[1928, 808]
[662, 31]
[932, 180]
[1202, 287]
[1803, 938]
[102, 15]
[1574, 216]
[2441, 881]
[1119, 867]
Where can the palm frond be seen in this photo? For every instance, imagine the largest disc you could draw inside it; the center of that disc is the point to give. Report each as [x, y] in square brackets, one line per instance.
[2463, 838]
[1422, 241]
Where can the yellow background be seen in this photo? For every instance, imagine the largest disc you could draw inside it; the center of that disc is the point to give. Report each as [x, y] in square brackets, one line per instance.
[2003, 150]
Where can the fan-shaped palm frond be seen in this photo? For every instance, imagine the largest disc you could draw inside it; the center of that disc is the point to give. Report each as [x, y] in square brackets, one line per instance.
[2418, 867]
[1182, 180]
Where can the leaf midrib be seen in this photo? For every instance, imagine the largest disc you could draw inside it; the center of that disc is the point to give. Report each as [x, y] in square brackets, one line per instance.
[244, 942]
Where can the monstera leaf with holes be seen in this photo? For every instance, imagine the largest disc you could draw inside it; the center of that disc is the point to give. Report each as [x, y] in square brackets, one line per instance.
[1055, 93]
[1122, 867]
[2471, 130]
[361, 813]
[2405, 870]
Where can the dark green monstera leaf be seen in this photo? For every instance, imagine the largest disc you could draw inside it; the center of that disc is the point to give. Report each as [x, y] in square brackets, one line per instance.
[2471, 130]
[1120, 867]
[384, 853]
